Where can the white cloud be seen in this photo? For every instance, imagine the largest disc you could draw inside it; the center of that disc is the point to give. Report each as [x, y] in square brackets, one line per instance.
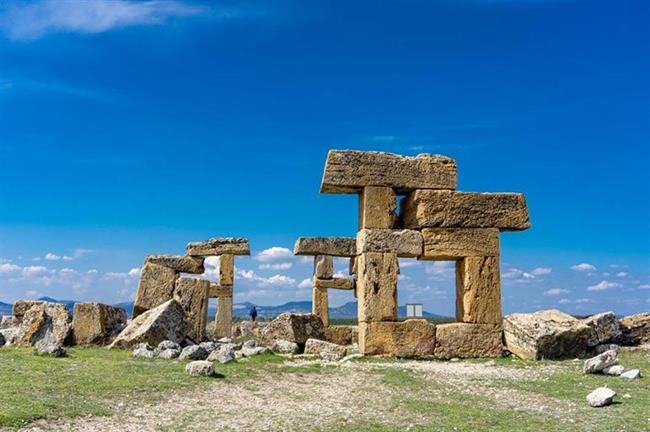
[576, 301]
[539, 271]
[274, 253]
[583, 267]
[604, 285]
[53, 257]
[644, 287]
[260, 281]
[556, 292]
[25, 21]
[622, 274]
[277, 266]
[9, 268]
[382, 138]
[134, 272]
[305, 283]
[439, 267]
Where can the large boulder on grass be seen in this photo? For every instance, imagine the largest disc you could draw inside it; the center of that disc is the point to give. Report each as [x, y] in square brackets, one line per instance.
[164, 322]
[548, 334]
[293, 327]
[326, 350]
[635, 329]
[96, 323]
[44, 324]
[604, 328]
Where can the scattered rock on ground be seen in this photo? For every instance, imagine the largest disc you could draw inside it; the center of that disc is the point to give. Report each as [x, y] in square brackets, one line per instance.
[293, 327]
[548, 334]
[631, 374]
[169, 353]
[600, 362]
[222, 356]
[193, 352]
[143, 350]
[326, 350]
[604, 328]
[200, 368]
[44, 324]
[96, 323]
[164, 322]
[249, 352]
[8, 321]
[601, 397]
[9, 335]
[281, 346]
[53, 350]
[249, 344]
[635, 329]
[606, 347]
[614, 370]
[167, 344]
[209, 346]
[224, 340]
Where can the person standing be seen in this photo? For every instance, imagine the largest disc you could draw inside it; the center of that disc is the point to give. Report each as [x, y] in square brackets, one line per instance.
[253, 313]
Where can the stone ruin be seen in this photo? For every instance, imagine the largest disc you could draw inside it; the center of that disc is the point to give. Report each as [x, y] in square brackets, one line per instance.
[161, 281]
[434, 222]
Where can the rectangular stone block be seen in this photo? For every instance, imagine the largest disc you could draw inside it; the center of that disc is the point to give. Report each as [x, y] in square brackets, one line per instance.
[404, 243]
[410, 338]
[219, 246]
[353, 265]
[336, 283]
[220, 290]
[156, 286]
[320, 304]
[192, 295]
[223, 320]
[449, 209]
[478, 290]
[468, 340]
[335, 246]
[323, 266]
[226, 269]
[348, 171]
[377, 208]
[341, 335]
[20, 308]
[456, 243]
[179, 263]
[377, 286]
[96, 323]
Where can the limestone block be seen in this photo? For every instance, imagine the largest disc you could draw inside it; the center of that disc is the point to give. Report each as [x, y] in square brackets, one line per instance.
[468, 340]
[192, 295]
[335, 246]
[22, 306]
[219, 246]
[294, 327]
[635, 329]
[347, 171]
[320, 304]
[604, 328]
[341, 335]
[179, 263]
[96, 323]
[353, 265]
[44, 324]
[449, 209]
[478, 290]
[377, 208]
[377, 286]
[336, 283]
[156, 286]
[165, 322]
[456, 243]
[323, 266]
[219, 291]
[226, 269]
[547, 334]
[223, 320]
[404, 243]
[410, 338]
[328, 351]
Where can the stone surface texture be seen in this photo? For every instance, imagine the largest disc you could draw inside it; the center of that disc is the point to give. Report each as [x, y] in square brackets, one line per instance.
[281, 346]
[223, 320]
[335, 246]
[548, 334]
[601, 361]
[179, 263]
[336, 283]
[460, 340]
[294, 327]
[165, 322]
[326, 350]
[404, 243]
[324, 266]
[156, 286]
[448, 209]
[601, 397]
[320, 304]
[377, 208]
[200, 368]
[410, 338]
[456, 243]
[377, 286]
[20, 307]
[192, 295]
[478, 290]
[44, 324]
[604, 328]
[219, 246]
[348, 171]
[96, 323]
[341, 334]
[226, 270]
[635, 329]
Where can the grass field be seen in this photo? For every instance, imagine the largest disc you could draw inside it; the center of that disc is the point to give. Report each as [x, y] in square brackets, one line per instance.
[98, 389]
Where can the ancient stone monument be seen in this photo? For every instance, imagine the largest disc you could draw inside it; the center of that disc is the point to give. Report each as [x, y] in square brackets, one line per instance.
[436, 222]
[161, 281]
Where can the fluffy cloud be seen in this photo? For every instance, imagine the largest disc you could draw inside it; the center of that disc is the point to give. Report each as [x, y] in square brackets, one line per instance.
[276, 266]
[274, 253]
[539, 271]
[644, 286]
[305, 283]
[556, 292]
[260, 281]
[575, 301]
[53, 257]
[604, 285]
[622, 274]
[583, 267]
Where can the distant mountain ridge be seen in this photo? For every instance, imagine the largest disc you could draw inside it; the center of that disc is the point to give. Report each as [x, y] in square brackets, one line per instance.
[240, 310]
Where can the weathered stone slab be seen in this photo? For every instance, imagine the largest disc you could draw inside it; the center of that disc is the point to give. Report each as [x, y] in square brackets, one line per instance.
[219, 246]
[463, 340]
[604, 328]
[377, 208]
[192, 295]
[341, 335]
[404, 243]
[410, 338]
[226, 269]
[548, 334]
[219, 291]
[377, 286]
[348, 171]
[156, 286]
[293, 327]
[635, 329]
[223, 320]
[336, 283]
[335, 246]
[44, 324]
[96, 323]
[456, 243]
[449, 209]
[478, 290]
[179, 263]
[320, 304]
[328, 351]
[324, 266]
[22, 306]
[165, 322]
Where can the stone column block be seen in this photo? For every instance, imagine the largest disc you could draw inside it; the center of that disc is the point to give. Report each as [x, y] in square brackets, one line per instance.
[324, 266]
[320, 304]
[226, 269]
[478, 290]
[468, 340]
[156, 286]
[223, 320]
[457, 243]
[192, 295]
[377, 208]
[377, 286]
[410, 338]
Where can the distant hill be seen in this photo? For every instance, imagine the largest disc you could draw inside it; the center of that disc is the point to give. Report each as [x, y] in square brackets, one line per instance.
[5, 308]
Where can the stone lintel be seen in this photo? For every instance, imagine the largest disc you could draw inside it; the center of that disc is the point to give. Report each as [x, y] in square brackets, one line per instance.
[220, 290]
[457, 243]
[179, 263]
[335, 246]
[219, 246]
[404, 243]
[336, 283]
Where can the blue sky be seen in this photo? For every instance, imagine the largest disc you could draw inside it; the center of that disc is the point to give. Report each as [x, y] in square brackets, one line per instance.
[128, 128]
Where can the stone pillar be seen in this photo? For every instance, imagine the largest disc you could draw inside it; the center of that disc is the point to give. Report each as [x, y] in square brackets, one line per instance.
[192, 294]
[324, 266]
[320, 304]
[377, 207]
[377, 286]
[226, 269]
[478, 290]
[223, 320]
